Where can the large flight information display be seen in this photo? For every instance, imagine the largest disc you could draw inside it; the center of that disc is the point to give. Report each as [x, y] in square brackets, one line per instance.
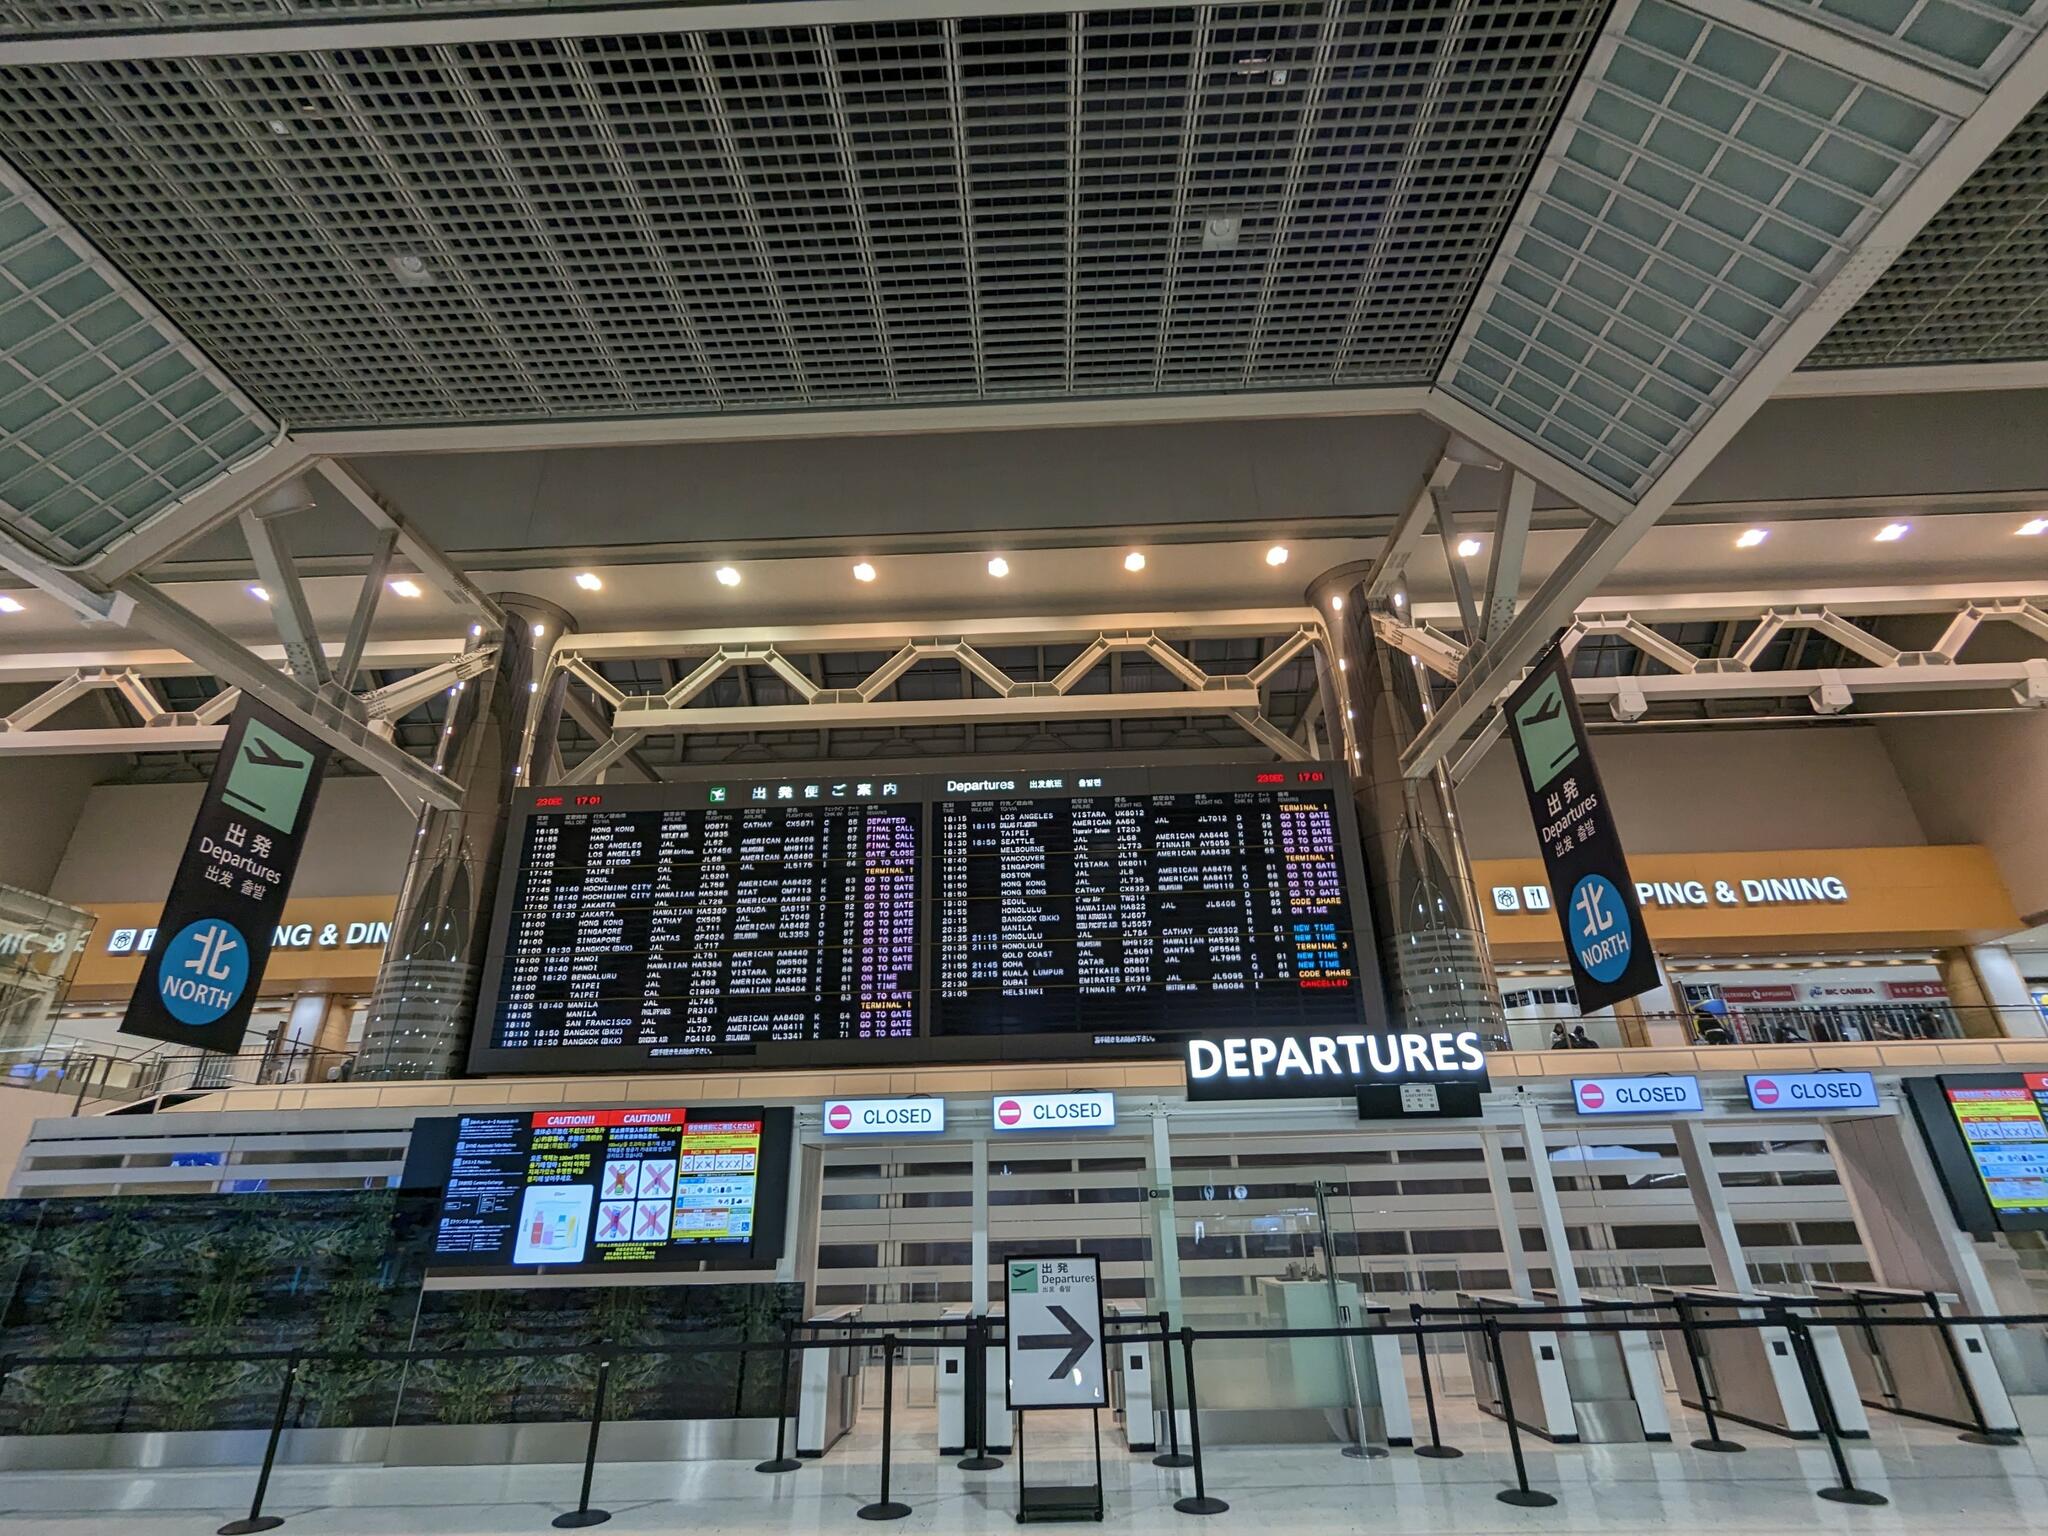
[1138, 917]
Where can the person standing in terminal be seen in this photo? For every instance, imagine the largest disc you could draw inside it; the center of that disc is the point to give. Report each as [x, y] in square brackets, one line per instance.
[1581, 1041]
[1559, 1040]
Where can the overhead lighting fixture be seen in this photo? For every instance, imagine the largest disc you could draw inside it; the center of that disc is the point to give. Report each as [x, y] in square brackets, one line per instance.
[1749, 538]
[2034, 527]
[1336, 605]
[540, 631]
[864, 572]
[259, 593]
[1467, 548]
[405, 586]
[1220, 231]
[1891, 533]
[998, 567]
[278, 126]
[1400, 599]
[590, 581]
[411, 269]
[9, 604]
[1134, 561]
[1277, 555]
[727, 576]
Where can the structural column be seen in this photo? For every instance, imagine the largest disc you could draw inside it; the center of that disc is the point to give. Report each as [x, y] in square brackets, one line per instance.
[500, 738]
[1425, 907]
[1710, 1201]
[1990, 995]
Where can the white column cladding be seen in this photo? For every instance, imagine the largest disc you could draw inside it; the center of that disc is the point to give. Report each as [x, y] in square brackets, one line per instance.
[1165, 1228]
[1710, 1200]
[1564, 1273]
[2007, 990]
[978, 1296]
[1504, 1210]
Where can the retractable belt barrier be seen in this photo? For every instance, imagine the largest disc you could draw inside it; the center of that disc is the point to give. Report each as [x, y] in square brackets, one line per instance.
[1794, 1314]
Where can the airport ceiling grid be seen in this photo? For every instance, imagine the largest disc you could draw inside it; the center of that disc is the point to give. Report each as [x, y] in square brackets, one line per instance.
[1010, 207]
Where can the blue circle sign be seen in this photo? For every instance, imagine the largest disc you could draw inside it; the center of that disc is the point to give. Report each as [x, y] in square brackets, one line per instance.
[204, 971]
[1600, 929]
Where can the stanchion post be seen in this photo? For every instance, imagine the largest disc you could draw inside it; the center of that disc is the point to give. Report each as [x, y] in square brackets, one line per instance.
[977, 1399]
[1521, 1495]
[1199, 1503]
[256, 1520]
[1713, 1440]
[783, 1461]
[1173, 1455]
[1845, 1491]
[886, 1508]
[583, 1514]
[1436, 1450]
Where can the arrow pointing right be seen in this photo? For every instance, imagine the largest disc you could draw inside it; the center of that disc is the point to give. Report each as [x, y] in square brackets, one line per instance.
[1075, 1341]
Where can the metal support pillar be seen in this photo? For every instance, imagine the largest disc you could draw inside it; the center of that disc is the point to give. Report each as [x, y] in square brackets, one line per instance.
[1517, 1256]
[1717, 1221]
[1564, 1274]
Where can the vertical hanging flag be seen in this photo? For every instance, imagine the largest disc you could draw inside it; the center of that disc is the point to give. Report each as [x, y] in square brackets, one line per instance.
[1589, 880]
[213, 940]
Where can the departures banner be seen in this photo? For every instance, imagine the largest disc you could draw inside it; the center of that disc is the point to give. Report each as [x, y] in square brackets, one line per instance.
[1589, 881]
[213, 940]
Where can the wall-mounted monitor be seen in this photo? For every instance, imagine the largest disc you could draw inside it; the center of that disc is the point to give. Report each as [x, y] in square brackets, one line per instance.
[1988, 1135]
[603, 1190]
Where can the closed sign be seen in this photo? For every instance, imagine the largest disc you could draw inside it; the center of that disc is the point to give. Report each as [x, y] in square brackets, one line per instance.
[1635, 1095]
[1812, 1090]
[884, 1117]
[1053, 1111]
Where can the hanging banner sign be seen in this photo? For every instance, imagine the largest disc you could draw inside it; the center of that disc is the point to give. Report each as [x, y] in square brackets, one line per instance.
[1589, 880]
[220, 920]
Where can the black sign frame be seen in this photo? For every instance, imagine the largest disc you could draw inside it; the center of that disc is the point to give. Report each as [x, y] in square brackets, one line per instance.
[1582, 853]
[229, 891]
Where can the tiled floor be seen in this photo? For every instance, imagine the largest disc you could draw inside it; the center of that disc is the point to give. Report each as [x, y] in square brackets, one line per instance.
[1935, 1484]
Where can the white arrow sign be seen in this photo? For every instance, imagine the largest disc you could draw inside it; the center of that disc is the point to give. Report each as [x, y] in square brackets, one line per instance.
[1055, 1331]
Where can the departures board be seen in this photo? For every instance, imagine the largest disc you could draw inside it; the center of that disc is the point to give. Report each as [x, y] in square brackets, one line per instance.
[972, 916]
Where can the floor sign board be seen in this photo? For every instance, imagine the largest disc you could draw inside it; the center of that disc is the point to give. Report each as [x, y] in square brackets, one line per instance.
[1055, 1331]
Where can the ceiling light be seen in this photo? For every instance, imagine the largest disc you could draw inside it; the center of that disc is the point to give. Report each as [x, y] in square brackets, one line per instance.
[864, 572]
[405, 586]
[1336, 605]
[1220, 231]
[410, 269]
[1467, 548]
[1400, 599]
[589, 581]
[475, 630]
[2034, 527]
[278, 126]
[1749, 538]
[9, 604]
[539, 631]
[727, 576]
[1277, 555]
[259, 593]
[1134, 561]
[998, 567]
[1891, 533]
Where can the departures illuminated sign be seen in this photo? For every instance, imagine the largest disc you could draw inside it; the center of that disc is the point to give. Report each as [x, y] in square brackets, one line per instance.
[1052, 1111]
[884, 1117]
[1636, 1095]
[1812, 1090]
[1312, 1066]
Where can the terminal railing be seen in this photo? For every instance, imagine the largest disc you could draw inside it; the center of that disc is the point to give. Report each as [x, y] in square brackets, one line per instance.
[1796, 1316]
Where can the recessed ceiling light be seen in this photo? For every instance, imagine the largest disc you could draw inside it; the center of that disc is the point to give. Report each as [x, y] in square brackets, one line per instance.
[1134, 561]
[1749, 538]
[590, 581]
[539, 631]
[998, 566]
[411, 269]
[1220, 231]
[259, 593]
[1400, 599]
[278, 126]
[1336, 605]
[1467, 548]
[727, 576]
[1277, 555]
[864, 572]
[9, 604]
[2034, 527]
[405, 586]
[1891, 533]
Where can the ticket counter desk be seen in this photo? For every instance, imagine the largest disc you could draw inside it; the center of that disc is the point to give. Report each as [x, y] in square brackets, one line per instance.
[1752, 1374]
[1943, 1374]
[828, 1396]
[956, 1428]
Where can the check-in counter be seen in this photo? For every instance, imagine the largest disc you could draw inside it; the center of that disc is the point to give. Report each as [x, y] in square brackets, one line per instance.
[956, 1381]
[1616, 1389]
[1751, 1375]
[1533, 1363]
[1390, 1375]
[828, 1398]
[1130, 1376]
[1831, 1356]
[1944, 1374]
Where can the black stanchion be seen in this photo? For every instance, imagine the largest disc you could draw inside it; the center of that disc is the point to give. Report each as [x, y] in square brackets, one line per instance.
[1713, 1440]
[1199, 1503]
[886, 1508]
[977, 1399]
[783, 1461]
[256, 1520]
[1436, 1450]
[583, 1514]
[1173, 1455]
[1521, 1494]
[1845, 1491]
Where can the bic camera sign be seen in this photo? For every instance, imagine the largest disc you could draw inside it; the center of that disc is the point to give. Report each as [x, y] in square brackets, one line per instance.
[1796, 890]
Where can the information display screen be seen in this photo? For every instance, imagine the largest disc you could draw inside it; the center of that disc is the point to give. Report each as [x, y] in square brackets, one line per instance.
[603, 1189]
[2007, 1136]
[1141, 915]
[660, 934]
